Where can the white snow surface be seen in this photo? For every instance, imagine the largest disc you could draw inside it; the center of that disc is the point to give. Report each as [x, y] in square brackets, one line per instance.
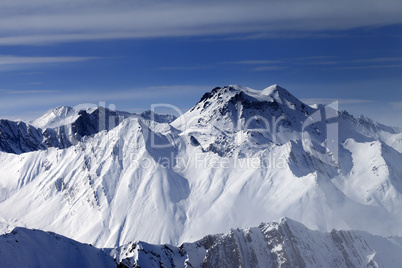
[34, 248]
[216, 167]
[59, 116]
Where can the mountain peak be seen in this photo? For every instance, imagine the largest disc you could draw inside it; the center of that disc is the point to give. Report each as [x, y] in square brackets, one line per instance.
[273, 93]
[274, 89]
[244, 102]
[266, 116]
[54, 118]
[63, 110]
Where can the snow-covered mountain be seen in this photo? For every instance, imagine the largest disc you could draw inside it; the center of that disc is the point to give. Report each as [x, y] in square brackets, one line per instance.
[59, 116]
[237, 158]
[283, 243]
[64, 127]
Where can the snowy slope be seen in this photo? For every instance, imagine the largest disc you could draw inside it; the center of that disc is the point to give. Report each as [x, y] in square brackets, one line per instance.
[237, 158]
[34, 248]
[92, 194]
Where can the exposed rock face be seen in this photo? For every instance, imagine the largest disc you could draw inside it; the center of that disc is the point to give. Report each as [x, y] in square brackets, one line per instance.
[285, 243]
[18, 137]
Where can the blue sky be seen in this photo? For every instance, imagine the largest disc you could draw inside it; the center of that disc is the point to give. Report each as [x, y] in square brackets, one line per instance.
[136, 53]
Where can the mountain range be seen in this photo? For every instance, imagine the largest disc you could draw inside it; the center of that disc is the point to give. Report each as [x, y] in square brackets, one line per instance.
[239, 157]
[283, 243]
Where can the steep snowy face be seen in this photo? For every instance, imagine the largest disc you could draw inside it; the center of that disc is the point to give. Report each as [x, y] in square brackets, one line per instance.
[33, 248]
[95, 191]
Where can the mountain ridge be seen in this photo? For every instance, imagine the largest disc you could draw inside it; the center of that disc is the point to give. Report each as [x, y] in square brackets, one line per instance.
[280, 243]
[177, 176]
[63, 127]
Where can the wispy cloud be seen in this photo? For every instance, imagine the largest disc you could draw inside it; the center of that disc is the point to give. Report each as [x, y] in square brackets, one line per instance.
[396, 104]
[12, 104]
[268, 68]
[369, 67]
[7, 91]
[323, 62]
[10, 59]
[184, 68]
[285, 63]
[350, 64]
[254, 62]
[42, 22]
[32, 73]
[54, 98]
[286, 35]
[12, 63]
[386, 59]
[330, 100]
[311, 58]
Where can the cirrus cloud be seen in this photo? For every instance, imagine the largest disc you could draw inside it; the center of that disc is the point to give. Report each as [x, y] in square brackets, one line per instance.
[12, 62]
[10, 59]
[42, 22]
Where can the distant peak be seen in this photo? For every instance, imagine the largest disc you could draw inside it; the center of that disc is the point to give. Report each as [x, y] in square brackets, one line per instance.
[54, 118]
[275, 89]
[62, 110]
